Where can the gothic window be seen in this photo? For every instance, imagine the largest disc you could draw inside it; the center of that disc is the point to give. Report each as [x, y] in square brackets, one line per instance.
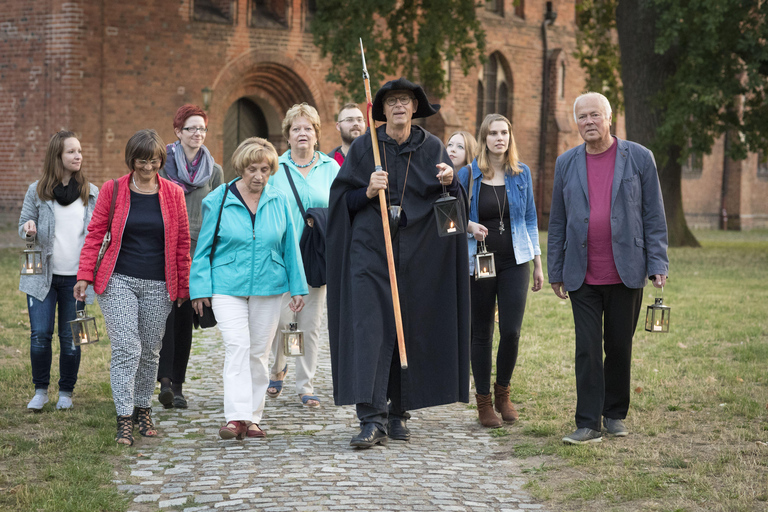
[561, 82]
[762, 164]
[269, 13]
[495, 6]
[520, 8]
[494, 89]
[310, 9]
[693, 165]
[214, 11]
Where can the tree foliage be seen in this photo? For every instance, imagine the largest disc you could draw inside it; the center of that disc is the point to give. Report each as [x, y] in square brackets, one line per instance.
[721, 54]
[412, 38]
[597, 50]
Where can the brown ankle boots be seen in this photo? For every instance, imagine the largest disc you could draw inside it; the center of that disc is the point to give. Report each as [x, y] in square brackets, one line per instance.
[502, 403]
[485, 412]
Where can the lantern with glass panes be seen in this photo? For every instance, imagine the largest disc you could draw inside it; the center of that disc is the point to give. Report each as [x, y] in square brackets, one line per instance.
[84, 328]
[449, 215]
[657, 315]
[31, 258]
[293, 339]
[485, 264]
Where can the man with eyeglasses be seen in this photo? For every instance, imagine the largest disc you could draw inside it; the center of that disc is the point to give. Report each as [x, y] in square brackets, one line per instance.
[350, 124]
[431, 274]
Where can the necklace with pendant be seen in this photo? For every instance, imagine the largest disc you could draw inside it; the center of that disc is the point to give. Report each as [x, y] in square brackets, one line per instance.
[501, 207]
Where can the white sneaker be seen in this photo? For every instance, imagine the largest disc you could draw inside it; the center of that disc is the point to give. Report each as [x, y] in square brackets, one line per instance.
[65, 402]
[38, 401]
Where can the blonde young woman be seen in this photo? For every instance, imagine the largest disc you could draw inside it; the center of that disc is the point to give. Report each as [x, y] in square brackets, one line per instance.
[57, 210]
[462, 148]
[503, 214]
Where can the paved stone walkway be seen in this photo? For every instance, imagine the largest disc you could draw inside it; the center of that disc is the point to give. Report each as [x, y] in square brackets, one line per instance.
[306, 464]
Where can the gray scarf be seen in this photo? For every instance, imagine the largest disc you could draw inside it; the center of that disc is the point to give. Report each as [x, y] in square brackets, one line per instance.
[188, 175]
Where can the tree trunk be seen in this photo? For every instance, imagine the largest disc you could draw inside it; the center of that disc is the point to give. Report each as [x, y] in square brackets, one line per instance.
[643, 74]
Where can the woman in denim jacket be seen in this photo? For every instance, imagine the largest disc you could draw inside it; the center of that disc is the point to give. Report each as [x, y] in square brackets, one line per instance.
[502, 213]
[56, 210]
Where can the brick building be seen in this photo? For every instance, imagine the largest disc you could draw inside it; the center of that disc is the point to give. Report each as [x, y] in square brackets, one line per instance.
[106, 69]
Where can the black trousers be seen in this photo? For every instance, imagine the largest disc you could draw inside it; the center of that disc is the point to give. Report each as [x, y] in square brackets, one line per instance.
[177, 344]
[510, 286]
[368, 413]
[606, 313]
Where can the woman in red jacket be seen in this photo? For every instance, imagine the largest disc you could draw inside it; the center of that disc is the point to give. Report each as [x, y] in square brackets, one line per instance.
[144, 270]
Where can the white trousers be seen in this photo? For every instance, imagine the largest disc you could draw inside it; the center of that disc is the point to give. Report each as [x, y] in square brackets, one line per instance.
[247, 326]
[310, 319]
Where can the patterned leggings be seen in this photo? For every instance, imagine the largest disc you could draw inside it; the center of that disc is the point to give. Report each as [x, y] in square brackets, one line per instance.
[135, 311]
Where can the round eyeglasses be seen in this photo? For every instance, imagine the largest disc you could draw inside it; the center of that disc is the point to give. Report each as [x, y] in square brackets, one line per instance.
[392, 100]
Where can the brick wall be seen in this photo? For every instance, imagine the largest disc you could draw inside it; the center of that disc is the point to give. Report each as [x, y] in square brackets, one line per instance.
[106, 69]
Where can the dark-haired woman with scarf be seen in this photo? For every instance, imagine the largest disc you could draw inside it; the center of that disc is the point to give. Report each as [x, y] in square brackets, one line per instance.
[56, 210]
[191, 166]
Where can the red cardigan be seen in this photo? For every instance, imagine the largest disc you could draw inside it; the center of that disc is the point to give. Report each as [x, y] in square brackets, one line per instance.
[174, 210]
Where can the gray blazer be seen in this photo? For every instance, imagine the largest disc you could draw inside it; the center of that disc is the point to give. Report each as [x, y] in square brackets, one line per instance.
[41, 212]
[638, 226]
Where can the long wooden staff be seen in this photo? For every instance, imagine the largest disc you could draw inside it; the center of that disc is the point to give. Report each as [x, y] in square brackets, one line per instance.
[385, 220]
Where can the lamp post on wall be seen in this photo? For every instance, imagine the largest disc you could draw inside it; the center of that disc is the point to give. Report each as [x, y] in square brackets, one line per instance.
[207, 96]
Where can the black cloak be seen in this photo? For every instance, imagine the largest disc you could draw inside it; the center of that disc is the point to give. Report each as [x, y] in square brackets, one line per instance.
[431, 273]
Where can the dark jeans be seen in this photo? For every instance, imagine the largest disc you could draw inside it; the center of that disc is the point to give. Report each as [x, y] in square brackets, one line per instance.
[510, 286]
[177, 344]
[602, 388]
[367, 413]
[42, 315]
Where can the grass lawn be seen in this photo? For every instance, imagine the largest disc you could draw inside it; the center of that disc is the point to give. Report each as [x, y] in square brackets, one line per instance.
[698, 416]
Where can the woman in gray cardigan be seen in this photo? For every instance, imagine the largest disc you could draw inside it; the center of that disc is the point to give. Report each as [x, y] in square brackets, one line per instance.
[191, 166]
[56, 210]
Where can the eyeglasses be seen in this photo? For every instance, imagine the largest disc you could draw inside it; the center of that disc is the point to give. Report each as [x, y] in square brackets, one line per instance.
[143, 163]
[404, 100]
[194, 129]
[358, 120]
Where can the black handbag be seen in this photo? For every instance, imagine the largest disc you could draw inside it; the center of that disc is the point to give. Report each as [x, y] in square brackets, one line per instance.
[312, 242]
[208, 319]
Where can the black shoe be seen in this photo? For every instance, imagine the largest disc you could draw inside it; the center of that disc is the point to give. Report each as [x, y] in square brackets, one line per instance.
[398, 430]
[179, 402]
[370, 435]
[166, 397]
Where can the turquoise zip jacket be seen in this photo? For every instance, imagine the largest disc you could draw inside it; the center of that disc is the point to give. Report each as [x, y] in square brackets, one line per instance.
[260, 258]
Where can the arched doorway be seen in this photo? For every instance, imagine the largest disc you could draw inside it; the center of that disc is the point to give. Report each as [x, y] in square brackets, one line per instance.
[244, 119]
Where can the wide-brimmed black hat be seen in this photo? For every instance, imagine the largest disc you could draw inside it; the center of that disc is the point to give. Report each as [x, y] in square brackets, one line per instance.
[425, 109]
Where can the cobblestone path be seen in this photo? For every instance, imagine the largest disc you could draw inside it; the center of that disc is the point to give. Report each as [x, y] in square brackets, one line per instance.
[306, 464]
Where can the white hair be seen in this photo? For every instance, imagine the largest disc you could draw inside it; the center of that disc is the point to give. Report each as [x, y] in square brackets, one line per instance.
[602, 99]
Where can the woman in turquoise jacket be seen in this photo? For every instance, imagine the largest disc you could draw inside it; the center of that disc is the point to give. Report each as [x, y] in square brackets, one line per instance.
[501, 213]
[255, 260]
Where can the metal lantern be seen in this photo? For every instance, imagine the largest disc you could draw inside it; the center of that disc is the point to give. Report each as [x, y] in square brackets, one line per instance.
[84, 329]
[293, 339]
[485, 264]
[31, 259]
[449, 215]
[657, 315]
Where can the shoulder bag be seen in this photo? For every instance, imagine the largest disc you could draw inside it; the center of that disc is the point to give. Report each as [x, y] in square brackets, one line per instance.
[108, 235]
[312, 243]
[208, 319]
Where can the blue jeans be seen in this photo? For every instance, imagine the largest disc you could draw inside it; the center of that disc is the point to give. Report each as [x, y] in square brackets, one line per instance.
[41, 320]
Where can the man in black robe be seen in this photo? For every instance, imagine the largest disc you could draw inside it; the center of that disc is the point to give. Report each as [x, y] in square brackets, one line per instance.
[431, 273]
